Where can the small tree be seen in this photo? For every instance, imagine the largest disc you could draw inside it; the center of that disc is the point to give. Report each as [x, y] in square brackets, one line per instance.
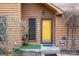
[70, 19]
[25, 39]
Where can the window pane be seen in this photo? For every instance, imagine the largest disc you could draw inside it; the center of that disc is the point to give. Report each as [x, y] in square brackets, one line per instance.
[32, 25]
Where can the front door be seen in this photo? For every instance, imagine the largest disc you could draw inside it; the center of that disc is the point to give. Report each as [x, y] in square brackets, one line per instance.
[46, 31]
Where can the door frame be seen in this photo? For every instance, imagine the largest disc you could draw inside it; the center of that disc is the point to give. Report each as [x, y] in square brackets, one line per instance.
[51, 30]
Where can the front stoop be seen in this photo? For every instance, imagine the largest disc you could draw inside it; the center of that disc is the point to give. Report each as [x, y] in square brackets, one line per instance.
[44, 50]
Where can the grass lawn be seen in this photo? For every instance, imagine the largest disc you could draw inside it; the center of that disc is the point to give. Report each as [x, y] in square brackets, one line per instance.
[32, 46]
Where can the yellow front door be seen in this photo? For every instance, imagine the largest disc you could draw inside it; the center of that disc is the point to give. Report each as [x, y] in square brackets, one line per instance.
[46, 31]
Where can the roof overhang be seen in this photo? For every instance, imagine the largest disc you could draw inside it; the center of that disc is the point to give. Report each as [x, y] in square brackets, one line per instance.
[54, 8]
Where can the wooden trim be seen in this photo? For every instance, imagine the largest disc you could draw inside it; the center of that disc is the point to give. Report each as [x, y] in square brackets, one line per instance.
[54, 29]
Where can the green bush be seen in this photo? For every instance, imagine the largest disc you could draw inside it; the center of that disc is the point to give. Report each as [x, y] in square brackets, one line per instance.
[16, 52]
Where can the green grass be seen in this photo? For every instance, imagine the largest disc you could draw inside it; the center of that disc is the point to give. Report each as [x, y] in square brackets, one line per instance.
[32, 46]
